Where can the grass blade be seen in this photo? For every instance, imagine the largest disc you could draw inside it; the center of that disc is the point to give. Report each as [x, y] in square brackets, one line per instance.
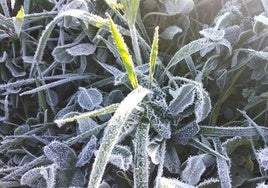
[112, 133]
[124, 53]
[141, 163]
[153, 56]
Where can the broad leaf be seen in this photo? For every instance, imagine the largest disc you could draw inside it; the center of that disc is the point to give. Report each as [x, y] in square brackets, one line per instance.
[60, 154]
[202, 105]
[89, 98]
[183, 97]
[121, 157]
[170, 32]
[87, 152]
[178, 6]
[194, 169]
[81, 49]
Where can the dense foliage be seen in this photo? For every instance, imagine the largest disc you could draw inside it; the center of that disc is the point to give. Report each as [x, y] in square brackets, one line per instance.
[152, 93]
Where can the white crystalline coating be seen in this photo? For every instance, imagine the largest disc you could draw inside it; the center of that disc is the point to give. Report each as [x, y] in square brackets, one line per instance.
[194, 169]
[171, 183]
[81, 49]
[170, 32]
[87, 152]
[202, 105]
[89, 98]
[178, 6]
[262, 156]
[213, 34]
[262, 18]
[121, 157]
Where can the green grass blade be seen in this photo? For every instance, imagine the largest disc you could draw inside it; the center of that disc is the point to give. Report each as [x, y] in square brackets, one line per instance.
[153, 56]
[131, 10]
[112, 133]
[124, 53]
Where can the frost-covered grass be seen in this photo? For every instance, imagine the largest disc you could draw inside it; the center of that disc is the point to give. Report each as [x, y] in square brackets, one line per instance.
[152, 93]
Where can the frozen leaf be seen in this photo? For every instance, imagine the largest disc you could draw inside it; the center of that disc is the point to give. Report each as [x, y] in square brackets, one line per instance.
[81, 49]
[34, 176]
[170, 32]
[262, 156]
[213, 34]
[171, 183]
[153, 150]
[75, 5]
[183, 97]
[31, 177]
[86, 124]
[222, 166]
[209, 183]
[202, 105]
[184, 134]
[262, 18]
[121, 157]
[52, 97]
[89, 98]
[60, 54]
[162, 127]
[87, 152]
[261, 185]
[172, 161]
[190, 49]
[60, 154]
[178, 6]
[194, 169]
[232, 33]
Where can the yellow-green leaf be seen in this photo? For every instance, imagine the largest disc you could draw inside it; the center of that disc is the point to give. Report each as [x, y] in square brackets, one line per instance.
[124, 53]
[153, 56]
[18, 21]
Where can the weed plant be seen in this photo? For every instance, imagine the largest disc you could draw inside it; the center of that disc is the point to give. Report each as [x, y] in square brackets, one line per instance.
[152, 93]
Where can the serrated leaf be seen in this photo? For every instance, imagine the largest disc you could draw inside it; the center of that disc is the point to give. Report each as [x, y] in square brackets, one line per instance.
[89, 98]
[121, 157]
[213, 34]
[162, 127]
[178, 6]
[124, 53]
[87, 152]
[209, 183]
[183, 97]
[170, 32]
[81, 49]
[171, 183]
[194, 169]
[202, 105]
[186, 133]
[60, 154]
